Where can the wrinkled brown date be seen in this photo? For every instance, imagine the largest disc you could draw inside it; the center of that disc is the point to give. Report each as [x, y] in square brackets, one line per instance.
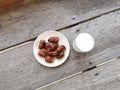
[51, 49]
[60, 55]
[60, 48]
[42, 53]
[53, 39]
[52, 54]
[47, 47]
[49, 59]
[42, 44]
[54, 47]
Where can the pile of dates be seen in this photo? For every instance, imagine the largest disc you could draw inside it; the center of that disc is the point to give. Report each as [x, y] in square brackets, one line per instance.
[50, 50]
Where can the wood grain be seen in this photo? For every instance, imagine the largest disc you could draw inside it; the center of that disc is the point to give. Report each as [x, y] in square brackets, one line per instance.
[28, 20]
[106, 77]
[5, 3]
[20, 71]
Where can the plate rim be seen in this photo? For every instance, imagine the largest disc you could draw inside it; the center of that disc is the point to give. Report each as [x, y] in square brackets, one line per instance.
[61, 59]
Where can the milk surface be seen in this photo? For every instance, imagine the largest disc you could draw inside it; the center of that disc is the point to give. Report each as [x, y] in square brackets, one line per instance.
[84, 42]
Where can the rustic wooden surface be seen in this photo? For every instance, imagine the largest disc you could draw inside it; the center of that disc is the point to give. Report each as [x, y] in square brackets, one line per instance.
[20, 71]
[106, 77]
[28, 20]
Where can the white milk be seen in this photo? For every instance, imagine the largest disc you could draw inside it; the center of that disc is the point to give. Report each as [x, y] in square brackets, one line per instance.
[84, 42]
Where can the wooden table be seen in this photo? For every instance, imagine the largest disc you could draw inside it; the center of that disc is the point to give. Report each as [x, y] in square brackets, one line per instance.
[96, 70]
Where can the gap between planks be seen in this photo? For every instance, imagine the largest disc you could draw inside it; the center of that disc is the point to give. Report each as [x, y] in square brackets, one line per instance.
[78, 73]
[89, 19]
[32, 39]
[15, 46]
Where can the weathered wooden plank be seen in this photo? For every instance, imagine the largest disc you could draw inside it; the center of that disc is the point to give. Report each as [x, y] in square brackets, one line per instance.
[106, 77]
[20, 70]
[29, 19]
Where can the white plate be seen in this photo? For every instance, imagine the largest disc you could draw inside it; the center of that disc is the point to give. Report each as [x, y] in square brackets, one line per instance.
[62, 41]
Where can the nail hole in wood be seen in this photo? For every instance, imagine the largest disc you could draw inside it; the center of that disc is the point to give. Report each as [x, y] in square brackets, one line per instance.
[96, 74]
[73, 18]
[77, 30]
[90, 63]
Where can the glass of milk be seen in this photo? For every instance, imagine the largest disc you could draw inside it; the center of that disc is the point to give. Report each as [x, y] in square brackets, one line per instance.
[84, 42]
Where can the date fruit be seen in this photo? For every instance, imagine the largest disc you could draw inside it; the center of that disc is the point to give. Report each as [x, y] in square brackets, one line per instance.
[54, 47]
[42, 53]
[53, 39]
[47, 47]
[61, 48]
[60, 55]
[50, 50]
[42, 44]
[52, 54]
[49, 59]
